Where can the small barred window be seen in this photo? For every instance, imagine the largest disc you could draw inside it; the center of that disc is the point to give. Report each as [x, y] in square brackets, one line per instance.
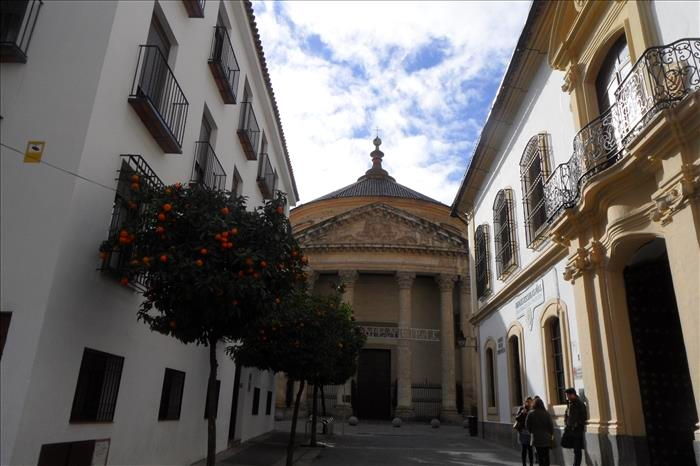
[504, 232]
[534, 169]
[483, 285]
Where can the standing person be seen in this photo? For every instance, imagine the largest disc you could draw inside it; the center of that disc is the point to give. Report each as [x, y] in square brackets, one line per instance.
[541, 427]
[523, 433]
[575, 421]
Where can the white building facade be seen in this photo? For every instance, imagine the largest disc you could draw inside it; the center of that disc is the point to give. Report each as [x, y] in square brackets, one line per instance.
[529, 310]
[175, 91]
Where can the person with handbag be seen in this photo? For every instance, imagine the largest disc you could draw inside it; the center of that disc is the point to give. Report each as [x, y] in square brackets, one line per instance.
[575, 425]
[539, 423]
[523, 433]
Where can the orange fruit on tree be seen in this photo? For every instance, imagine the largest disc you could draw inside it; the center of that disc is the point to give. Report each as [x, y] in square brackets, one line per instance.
[161, 217]
[167, 207]
[217, 237]
[164, 258]
[224, 211]
[234, 231]
[124, 233]
[224, 234]
[168, 191]
[199, 262]
[280, 210]
[249, 261]
[263, 264]
[203, 251]
[135, 186]
[135, 178]
[160, 230]
[124, 281]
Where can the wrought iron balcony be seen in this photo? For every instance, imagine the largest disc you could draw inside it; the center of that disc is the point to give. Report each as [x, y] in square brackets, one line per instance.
[17, 21]
[158, 99]
[116, 261]
[661, 77]
[207, 169]
[249, 131]
[223, 65]
[266, 177]
[195, 8]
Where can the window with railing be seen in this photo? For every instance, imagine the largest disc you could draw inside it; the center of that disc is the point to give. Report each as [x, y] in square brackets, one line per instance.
[134, 174]
[558, 376]
[534, 169]
[515, 371]
[490, 378]
[171, 395]
[662, 77]
[158, 99]
[481, 253]
[223, 64]
[249, 131]
[17, 22]
[504, 233]
[207, 170]
[237, 185]
[98, 386]
[217, 390]
[267, 177]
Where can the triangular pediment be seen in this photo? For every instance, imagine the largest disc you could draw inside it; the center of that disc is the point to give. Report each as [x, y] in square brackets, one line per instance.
[381, 226]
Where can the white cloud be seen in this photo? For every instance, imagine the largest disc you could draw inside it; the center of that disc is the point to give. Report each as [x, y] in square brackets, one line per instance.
[428, 118]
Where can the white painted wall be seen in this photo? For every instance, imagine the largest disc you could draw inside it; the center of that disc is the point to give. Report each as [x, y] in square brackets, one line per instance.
[677, 20]
[72, 93]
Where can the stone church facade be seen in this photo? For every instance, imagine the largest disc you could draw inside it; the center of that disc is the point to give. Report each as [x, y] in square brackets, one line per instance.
[403, 262]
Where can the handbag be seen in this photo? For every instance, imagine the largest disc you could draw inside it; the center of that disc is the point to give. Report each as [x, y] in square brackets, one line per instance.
[567, 439]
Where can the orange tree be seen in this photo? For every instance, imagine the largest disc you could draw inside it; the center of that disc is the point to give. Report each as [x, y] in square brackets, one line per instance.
[313, 339]
[210, 268]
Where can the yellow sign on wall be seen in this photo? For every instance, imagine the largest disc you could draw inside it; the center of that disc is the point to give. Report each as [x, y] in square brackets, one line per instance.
[34, 151]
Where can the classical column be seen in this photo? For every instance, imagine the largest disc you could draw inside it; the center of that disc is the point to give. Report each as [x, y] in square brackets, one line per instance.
[404, 408]
[468, 354]
[446, 282]
[348, 278]
[311, 278]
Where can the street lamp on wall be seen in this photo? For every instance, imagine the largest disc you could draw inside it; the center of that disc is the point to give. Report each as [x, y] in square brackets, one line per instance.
[467, 342]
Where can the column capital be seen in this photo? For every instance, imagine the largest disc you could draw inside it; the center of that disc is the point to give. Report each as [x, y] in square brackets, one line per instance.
[348, 277]
[446, 281]
[405, 279]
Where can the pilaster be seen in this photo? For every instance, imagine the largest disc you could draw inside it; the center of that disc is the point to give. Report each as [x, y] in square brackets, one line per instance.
[404, 408]
[446, 284]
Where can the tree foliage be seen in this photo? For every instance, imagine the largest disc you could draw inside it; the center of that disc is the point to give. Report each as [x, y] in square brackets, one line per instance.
[213, 267]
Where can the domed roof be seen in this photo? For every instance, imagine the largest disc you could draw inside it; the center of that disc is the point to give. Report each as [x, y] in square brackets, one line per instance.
[376, 182]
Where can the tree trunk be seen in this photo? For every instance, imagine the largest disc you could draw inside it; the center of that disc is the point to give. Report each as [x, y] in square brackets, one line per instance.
[292, 435]
[314, 413]
[323, 403]
[211, 407]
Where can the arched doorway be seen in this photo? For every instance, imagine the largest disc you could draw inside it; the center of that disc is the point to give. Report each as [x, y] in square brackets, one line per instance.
[662, 364]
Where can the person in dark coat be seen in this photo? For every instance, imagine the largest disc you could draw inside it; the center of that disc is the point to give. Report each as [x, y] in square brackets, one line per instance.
[575, 422]
[523, 433]
[541, 427]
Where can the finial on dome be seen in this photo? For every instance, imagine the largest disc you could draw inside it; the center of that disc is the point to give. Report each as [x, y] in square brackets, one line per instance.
[377, 171]
[377, 142]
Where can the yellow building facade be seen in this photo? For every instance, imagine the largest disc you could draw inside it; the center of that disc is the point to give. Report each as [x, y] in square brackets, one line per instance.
[614, 212]
[402, 260]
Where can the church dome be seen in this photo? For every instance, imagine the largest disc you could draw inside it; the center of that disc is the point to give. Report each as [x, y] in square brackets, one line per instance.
[376, 182]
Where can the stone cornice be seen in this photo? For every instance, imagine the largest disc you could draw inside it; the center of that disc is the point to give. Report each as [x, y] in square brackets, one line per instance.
[385, 248]
[549, 256]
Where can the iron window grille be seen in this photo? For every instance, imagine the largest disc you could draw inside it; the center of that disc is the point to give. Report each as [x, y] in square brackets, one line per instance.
[17, 22]
[237, 185]
[98, 386]
[216, 401]
[223, 65]
[207, 170]
[116, 261]
[267, 177]
[504, 233]
[534, 169]
[481, 251]
[249, 131]
[268, 403]
[171, 396]
[491, 380]
[558, 360]
[158, 99]
[256, 401]
[427, 400]
[195, 8]
[516, 378]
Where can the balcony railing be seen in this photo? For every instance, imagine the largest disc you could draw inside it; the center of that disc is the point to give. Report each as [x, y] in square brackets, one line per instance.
[223, 65]
[17, 21]
[116, 261]
[660, 78]
[207, 169]
[249, 131]
[158, 99]
[266, 177]
[195, 8]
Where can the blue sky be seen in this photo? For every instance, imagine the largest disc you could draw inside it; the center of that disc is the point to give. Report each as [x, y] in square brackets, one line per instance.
[424, 73]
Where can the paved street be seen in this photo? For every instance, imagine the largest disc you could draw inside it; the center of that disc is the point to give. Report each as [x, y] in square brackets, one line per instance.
[415, 444]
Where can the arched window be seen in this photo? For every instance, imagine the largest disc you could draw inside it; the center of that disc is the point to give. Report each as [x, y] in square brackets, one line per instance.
[490, 378]
[534, 169]
[515, 366]
[504, 232]
[557, 358]
[612, 72]
[481, 253]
